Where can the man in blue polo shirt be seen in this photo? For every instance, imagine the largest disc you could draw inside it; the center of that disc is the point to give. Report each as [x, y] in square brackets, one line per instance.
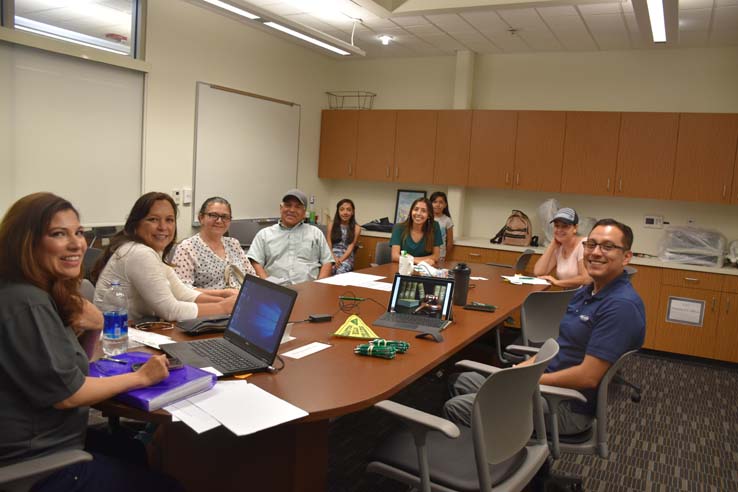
[602, 322]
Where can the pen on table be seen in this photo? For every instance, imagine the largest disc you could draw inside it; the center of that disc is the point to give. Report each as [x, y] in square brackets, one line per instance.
[117, 361]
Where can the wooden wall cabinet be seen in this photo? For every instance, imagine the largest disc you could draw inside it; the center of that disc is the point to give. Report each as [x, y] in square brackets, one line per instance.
[705, 157]
[338, 134]
[375, 147]
[453, 138]
[539, 149]
[646, 151]
[590, 152]
[415, 146]
[647, 282]
[471, 254]
[492, 149]
[726, 347]
[734, 200]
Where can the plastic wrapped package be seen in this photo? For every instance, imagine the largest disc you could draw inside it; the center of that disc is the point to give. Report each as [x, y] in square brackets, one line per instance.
[546, 212]
[692, 245]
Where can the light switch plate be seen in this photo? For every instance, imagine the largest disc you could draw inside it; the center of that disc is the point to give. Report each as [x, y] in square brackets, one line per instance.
[653, 221]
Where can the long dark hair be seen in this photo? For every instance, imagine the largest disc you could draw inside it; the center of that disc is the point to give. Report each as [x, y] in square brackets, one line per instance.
[441, 194]
[21, 231]
[336, 228]
[427, 226]
[140, 210]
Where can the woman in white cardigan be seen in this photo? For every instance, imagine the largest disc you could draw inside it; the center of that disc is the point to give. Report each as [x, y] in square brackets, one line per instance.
[135, 259]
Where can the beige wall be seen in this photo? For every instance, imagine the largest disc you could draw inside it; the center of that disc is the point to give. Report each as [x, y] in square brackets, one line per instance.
[664, 80]
[187, 44]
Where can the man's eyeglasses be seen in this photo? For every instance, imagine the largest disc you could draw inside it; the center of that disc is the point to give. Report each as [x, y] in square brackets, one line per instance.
[215, 217]
[605, 246]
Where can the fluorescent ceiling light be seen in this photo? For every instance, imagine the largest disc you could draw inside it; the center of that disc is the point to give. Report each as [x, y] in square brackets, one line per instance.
[35, 27]
[307, 38]
[231, 8]
[656, 16]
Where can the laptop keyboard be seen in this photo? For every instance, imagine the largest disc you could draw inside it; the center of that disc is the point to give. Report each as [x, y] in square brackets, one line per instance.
[414, 319]
[223, 356]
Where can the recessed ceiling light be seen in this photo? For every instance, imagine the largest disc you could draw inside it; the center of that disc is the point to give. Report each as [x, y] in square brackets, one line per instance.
[386, 39]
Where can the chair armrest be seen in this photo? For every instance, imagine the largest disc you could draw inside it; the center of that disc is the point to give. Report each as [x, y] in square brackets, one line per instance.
[42, 466]
[521, 350]
[478, 366]
[559, 394]
[415, 416]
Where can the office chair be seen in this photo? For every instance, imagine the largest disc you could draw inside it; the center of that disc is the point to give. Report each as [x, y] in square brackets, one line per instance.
[382, 253]
[496, 454]
[521, 264]
[89, 260]
[618, 378]
[540, 315]
[21, 476]
[87, 289]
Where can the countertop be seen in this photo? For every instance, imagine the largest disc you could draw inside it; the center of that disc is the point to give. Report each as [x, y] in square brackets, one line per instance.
[476, 242]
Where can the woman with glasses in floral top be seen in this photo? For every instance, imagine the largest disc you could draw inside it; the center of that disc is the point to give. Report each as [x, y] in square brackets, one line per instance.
[204, 260]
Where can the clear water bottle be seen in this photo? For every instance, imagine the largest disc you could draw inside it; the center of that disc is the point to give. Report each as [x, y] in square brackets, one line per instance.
[115, 313]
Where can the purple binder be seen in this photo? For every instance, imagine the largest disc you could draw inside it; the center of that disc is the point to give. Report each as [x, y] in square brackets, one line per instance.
[181, 383]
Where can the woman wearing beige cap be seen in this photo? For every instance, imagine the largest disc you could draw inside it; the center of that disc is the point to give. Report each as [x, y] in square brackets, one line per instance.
[565, 253]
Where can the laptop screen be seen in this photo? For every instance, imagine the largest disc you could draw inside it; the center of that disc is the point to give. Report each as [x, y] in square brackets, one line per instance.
[421, 296]
[260, 314]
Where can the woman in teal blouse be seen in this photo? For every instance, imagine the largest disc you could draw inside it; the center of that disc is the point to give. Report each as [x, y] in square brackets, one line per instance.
[419, 235]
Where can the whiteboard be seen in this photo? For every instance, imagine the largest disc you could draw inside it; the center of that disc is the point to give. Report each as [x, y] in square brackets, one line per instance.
[72, 127]
[246, 149]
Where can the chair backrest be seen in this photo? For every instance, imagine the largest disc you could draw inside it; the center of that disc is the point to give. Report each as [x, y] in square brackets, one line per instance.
[89, 260]
[502, 430]
[523, 261]
[630, 270]
[541, 314]
[383, 253]
[87, 289]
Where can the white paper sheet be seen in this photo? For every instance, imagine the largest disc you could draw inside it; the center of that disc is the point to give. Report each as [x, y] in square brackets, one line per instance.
[377, 286]
[305, 350]
[148, 338]
[195, 418]
[523, 280]
[245, 408]
[350, 278]
[478, 278]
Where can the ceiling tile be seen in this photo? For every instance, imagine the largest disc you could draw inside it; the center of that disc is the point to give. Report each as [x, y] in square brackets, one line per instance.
[559, 11]
[285, 9]
[486, 21]
[693, 39]
[695, 4]
[599, 8]
[379, 23]
[611, 23]
[694, 20]
[450, 22]
[509, 43]
[723, 3]
[470, 37]
[410, 21]
[578, 42]
[522, 18]
[726, 18]
[722, 38]
[612, 41]
[310, 21]
[541, 41]
[427, 29]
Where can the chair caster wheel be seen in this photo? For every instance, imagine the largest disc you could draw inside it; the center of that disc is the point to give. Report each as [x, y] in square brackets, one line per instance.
[635, 397]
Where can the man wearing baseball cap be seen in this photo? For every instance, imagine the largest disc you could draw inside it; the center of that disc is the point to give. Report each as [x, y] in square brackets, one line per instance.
[291, 251]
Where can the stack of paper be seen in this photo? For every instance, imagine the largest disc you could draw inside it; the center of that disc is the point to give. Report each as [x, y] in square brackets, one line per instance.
[357, 280]
[241, 407]
[523, 280]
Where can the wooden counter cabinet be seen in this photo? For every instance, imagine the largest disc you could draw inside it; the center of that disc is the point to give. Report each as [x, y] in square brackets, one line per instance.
[365, 248]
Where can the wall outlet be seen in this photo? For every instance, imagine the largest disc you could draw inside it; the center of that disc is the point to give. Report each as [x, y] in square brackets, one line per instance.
[653, 221]
[177, 196]
[691, 221]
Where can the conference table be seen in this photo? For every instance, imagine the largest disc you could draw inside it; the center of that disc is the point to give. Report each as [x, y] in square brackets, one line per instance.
[328, 384]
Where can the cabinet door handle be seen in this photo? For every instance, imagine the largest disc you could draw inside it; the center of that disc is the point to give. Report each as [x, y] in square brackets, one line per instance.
[386, 169]
[517, 178]
[620, 185]
[713, 304]
[691, 279]
[727, 305]
[475, 255]
[507, 177]
[725, 189]
[350, 169]
[397, 172]
[608, 184]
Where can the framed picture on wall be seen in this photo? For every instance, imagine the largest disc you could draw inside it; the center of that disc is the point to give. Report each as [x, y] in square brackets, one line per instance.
[405, 198]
